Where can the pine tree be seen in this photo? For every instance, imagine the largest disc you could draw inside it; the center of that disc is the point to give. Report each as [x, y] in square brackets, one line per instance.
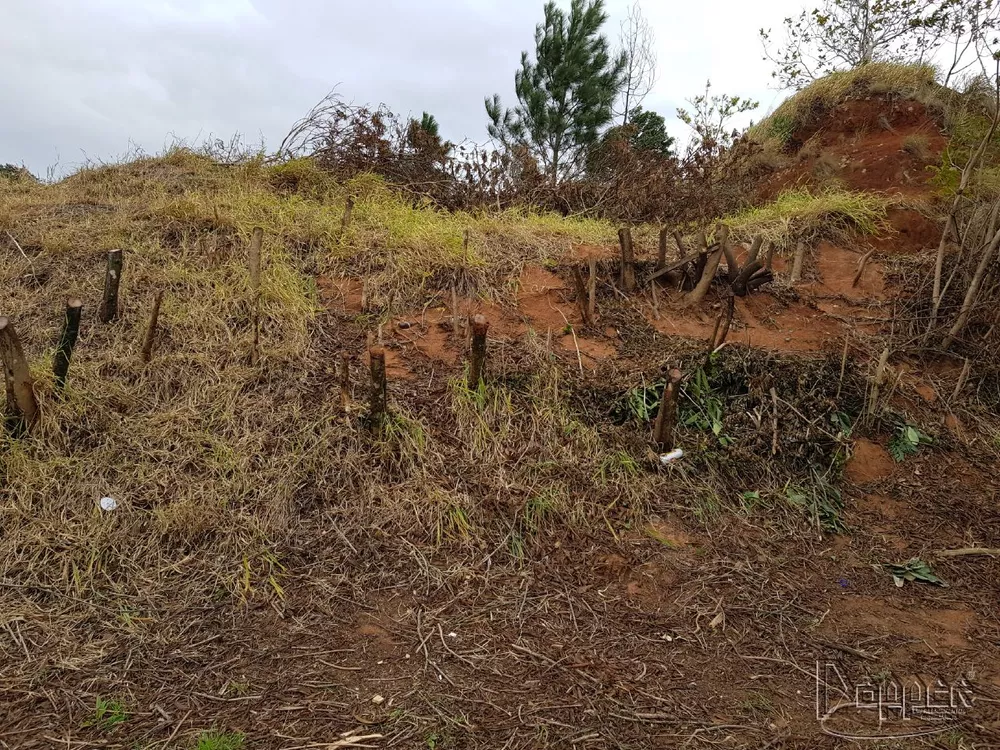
[565, 97]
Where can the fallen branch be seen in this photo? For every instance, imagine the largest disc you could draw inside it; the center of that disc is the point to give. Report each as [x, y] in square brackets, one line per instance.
[968, 552]
[862, 264]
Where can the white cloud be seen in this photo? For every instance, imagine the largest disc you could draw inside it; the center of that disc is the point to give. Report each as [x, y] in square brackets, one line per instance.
[91, 78]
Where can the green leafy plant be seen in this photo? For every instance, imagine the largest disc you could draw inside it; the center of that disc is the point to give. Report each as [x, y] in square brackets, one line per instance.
[108, 714]
[913, 569]
[705, 406]
[907, 441]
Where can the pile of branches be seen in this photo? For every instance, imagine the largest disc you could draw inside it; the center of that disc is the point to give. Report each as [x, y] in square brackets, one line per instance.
[621, 183]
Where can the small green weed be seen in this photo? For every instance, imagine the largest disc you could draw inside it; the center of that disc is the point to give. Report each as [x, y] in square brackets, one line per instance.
[108, 714]
[822, 502]
[783, 128]
[907, 441]
[703, 406]
[212, 740]
[616, 465]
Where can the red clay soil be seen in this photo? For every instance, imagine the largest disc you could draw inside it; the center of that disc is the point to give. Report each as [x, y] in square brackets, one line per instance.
[910, 232]
[875, 144]
[869, 462]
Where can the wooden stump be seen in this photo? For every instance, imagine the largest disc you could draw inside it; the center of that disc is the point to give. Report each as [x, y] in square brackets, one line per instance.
[379, 395]
[256, 241]
[154, 318]
[345, 383]
[477, 365]
[800, 254]
[582, 299]
[628, 259]
[666, 417]
[112, 280]
[705, 280]
[21, 403]
[592, 290]
[67, 341]
[661, 255]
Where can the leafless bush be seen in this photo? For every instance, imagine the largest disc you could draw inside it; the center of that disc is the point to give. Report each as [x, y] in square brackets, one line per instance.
[621, 183]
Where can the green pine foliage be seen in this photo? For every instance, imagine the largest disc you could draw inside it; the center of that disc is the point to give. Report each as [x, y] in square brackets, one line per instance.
[565, 96]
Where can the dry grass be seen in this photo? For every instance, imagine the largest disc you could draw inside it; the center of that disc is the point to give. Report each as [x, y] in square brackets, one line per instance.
[200, 442]
[258, 527]
[798, 215]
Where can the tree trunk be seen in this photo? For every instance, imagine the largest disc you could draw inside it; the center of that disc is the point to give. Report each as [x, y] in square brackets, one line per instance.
[707, 276]
[345, 383]
[800, 254]
[150, 338]
[661, 256]
[112, 280]
[255, 242]
[581, 296]
[67, 340]
[477, 366]
[628, 259]
[666, 417]
[379, 389]
[592, 291]
[20, 391]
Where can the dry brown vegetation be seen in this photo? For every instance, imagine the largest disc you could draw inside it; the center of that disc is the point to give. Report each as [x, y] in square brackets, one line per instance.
[500, 566]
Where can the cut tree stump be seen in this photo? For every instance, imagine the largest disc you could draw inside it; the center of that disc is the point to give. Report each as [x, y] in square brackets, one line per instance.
[345, 383]
[661, 255]
[67, 341]
[154, 319]
[582, 300]
[800, 254]
[592, 290]
[379, 388]
[705, 280]
[21, 402]
[628, 259]
[477, 365]
[666, 417]
[256, 240]
[112, 281]
[722, 237]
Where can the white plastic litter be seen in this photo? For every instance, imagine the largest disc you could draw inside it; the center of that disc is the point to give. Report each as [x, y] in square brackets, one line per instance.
[668, 458]
[377, 699]
[108, 503]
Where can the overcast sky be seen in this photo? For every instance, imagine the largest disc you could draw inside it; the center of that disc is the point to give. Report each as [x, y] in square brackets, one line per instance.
[96, 79]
